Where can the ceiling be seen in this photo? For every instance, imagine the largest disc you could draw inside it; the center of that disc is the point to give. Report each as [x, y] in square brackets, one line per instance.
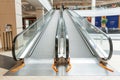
[82, 3]
[29, 7]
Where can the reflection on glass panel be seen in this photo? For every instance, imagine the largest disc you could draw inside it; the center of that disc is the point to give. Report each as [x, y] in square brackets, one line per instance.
[97, 39]
[26, 23]
[24, 39]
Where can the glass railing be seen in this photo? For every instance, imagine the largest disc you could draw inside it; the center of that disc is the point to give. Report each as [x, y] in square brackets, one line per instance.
[98, 40]
[24, 41]
[114, 30]
[115, 4]
[62, 41]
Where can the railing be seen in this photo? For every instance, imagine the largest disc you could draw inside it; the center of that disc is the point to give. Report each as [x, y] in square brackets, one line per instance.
[25, 40]
[61, 39]
[95, 13]
[113, 30]
[99, 42]
[115, 4]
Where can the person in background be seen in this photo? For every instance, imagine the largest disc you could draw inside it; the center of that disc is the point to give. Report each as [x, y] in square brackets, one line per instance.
[89, 18]
[103, 24]
[63, 7]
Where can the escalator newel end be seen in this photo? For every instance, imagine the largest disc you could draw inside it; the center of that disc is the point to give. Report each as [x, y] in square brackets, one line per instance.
[104, 65]
[69, 66]
[54, 68]
[61, 62]
[20, 64]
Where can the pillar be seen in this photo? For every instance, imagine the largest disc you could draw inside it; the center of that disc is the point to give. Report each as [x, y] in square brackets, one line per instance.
[43, 11]
[10, 13]
[119, 23]
[52, 2]
[93, 8]
[18, 14]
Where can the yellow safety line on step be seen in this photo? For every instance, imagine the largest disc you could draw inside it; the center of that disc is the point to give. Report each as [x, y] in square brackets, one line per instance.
[69, 67]
[105, 67]
[18, 66]
[54, 68]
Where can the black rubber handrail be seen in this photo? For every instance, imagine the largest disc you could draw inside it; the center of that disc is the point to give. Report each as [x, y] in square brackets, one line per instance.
[25, 30]
[108, 37]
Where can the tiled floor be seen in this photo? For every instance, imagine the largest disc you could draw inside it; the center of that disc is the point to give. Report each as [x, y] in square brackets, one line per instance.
[61, 78]
[115, 62]
[8, 56]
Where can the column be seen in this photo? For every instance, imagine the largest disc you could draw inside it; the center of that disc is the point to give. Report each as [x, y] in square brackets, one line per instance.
[10, 13]
[52, 2]
[93, 8]
[43, 12]
[119, 23]
[18, 14]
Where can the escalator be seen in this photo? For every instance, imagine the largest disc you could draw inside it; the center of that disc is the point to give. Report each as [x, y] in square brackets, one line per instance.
[40, 58]
[61, 63]
[91, 51]
[39, 47]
